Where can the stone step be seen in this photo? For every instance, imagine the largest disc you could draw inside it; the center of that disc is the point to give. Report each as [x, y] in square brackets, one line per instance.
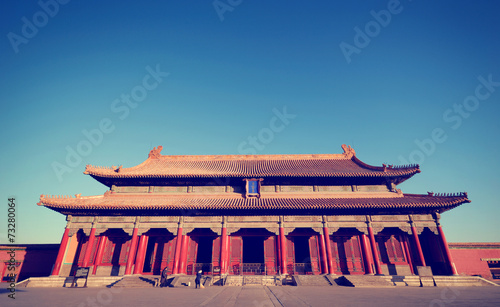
[264, 280]
[312, 280]
[59, 282]
[461, 281]
[134, 281]
[183, 281]
[363, 281]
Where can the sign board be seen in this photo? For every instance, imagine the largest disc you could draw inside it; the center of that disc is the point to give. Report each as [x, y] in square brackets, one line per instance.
[80, 273]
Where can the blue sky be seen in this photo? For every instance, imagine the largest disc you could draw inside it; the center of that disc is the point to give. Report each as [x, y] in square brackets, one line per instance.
[204, 76]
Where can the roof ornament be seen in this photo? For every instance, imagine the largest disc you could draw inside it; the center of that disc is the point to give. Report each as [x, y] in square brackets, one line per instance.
[117, 169]
[348, 151]
[155, 152]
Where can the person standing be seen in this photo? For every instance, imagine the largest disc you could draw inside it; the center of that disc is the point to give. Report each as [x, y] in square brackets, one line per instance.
[198, 279]
[164, 277]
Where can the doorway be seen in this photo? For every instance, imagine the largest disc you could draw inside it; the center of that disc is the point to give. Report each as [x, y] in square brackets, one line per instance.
[253, 249]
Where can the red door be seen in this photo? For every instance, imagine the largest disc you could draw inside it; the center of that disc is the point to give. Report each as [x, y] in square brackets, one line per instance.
[236, 255]
[356, 255]
[290, 255]
[168, 254]
[270, 255]
[216, 252]
[346, 252]
[191, 256]
[314, 251]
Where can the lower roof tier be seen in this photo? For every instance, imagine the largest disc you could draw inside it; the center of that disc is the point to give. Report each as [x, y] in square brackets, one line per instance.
[150, 204]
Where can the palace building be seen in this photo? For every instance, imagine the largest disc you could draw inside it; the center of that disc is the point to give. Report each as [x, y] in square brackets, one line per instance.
[254, 214]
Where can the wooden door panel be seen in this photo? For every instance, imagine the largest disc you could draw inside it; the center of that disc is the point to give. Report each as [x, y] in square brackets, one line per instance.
[270, 255]
[314, 254]
[236, 252]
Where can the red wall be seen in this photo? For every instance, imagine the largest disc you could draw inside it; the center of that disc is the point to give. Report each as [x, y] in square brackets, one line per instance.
[467, 257]
[35, 260]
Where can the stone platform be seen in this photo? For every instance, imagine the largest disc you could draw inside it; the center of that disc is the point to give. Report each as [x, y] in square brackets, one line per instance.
[253, 296]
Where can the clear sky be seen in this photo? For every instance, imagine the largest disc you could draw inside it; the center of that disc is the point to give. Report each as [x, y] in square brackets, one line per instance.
[87, 82]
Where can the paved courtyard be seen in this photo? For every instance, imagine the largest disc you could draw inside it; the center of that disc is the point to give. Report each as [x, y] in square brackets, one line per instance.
[255, 296]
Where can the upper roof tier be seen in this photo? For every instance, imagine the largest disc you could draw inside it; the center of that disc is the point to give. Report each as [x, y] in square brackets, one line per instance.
[344, 165]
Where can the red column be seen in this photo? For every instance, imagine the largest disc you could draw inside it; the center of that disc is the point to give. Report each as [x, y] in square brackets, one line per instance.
[183, 256]
[131, 252]
[366, 255]
[141, 253]
[278, 252]
[378, 269]
[88, 250]
[408, 256]
[224, 251]
[177, 255]
[419, 247]
[60, 254]
[323, 254]
[328, 250]
[99, 253]
[283, 250]
[446, 250]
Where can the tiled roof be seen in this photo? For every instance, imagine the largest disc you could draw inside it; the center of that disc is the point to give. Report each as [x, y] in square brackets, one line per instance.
[237, 202]
[320, 165]
[474, 245]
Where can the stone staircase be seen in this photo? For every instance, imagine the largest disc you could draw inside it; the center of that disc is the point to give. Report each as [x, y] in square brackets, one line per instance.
[408, 281]
[363, 281]
[134, 281]
[264, 280]
[461, 281]
[59, 282]
[313, 280]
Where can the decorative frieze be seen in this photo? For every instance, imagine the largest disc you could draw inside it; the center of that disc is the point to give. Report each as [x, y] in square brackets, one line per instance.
[116, 219]
[334, 227]
[209, 189]
[297, 188]
[159, 219]
[253, 219]
[346, 218]
[372, 188]
[422, 217]
[203, 219]
[130, 189]
[82, 219]
[268, 188]
[334, 188]
[170, 189]
[72, 231]
[303, 218]
[389, 218]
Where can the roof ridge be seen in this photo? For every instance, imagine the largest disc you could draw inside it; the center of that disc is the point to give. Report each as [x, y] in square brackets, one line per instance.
[155, 153]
